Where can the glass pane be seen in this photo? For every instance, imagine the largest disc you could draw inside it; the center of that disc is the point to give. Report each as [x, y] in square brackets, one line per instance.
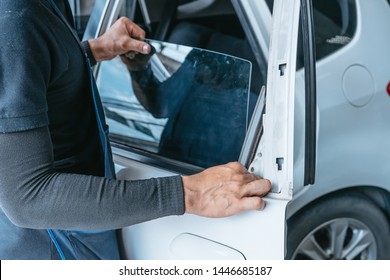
[188, 104]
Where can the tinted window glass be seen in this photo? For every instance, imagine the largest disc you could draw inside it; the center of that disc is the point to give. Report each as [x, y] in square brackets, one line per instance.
[188, 104]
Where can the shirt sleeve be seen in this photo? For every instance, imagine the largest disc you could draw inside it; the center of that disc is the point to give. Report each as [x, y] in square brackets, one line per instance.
[33, 195]
[24, 60]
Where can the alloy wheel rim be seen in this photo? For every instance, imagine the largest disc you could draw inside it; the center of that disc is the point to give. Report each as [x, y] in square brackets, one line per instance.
[338, 239]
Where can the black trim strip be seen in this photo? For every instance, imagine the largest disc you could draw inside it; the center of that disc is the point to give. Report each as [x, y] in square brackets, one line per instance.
[310, 91]
[155, 160]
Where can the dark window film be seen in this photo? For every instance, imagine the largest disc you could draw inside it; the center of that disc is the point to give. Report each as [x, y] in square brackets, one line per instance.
[187, 104]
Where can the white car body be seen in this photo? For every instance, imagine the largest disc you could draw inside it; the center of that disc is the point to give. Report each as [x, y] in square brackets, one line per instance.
[351, 147]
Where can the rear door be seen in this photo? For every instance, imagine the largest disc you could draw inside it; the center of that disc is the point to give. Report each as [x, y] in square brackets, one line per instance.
[277, 141]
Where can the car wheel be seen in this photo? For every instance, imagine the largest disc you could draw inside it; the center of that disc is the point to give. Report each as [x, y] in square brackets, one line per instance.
[342, 227]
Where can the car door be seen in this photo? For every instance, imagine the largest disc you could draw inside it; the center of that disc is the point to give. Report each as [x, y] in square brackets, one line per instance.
[278, 142]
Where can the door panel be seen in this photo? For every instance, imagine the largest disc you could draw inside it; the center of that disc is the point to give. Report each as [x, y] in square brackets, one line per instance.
[253, 234]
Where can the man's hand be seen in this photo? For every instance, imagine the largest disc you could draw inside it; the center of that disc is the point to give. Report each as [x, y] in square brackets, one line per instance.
[124, 36]
[224, 190]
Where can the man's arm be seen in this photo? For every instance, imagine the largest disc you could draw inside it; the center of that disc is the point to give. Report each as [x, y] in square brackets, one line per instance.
[34, 195]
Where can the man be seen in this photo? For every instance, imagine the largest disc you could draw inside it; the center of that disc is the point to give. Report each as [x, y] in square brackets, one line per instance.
[51, 158]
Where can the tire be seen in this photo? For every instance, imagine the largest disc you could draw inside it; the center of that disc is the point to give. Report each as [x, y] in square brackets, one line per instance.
[346, 226]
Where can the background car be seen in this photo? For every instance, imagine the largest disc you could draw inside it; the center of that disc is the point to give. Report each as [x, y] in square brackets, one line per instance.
[341, 202]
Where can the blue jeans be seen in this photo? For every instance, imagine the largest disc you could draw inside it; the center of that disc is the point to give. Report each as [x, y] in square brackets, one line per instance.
[18, 243]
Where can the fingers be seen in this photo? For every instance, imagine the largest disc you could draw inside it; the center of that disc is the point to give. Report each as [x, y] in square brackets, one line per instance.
[257, 187]
[253, 184]
[252, 193]
[137, 37]
[133, 45]
[133, 29]
[253, 188]
[252, 203]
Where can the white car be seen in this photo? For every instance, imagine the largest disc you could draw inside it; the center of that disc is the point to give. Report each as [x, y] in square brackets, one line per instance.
[309, 111]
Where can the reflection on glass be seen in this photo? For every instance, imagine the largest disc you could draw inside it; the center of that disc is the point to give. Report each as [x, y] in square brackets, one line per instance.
[186, 103]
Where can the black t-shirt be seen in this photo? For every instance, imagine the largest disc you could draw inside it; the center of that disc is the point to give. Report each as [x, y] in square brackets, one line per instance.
[43, 82]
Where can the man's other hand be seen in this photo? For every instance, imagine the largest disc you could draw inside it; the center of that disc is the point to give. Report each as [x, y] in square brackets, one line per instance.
[224, 190]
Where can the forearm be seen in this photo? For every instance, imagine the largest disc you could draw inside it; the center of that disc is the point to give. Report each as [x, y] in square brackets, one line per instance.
[33, 195]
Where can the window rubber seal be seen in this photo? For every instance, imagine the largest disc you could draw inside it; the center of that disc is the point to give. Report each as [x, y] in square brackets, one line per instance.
[309, 52]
